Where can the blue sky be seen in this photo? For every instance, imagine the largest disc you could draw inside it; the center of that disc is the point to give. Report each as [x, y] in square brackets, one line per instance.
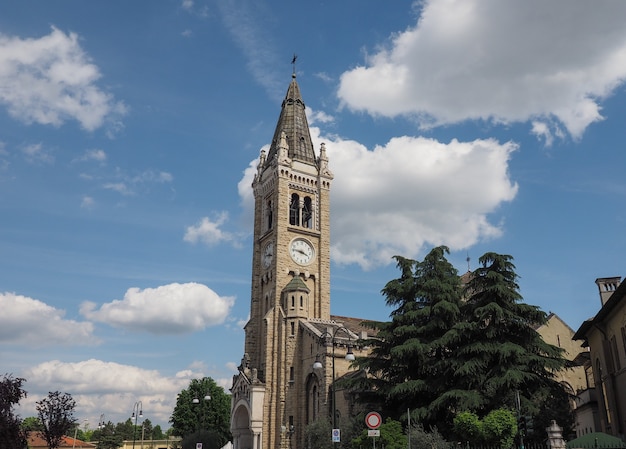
[129, 133]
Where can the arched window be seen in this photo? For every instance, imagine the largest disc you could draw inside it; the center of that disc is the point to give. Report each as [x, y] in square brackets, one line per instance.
[307, 213]
[294, 210]
[270, 216]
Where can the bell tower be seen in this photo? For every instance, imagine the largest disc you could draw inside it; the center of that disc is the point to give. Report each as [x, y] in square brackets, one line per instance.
[290, 282]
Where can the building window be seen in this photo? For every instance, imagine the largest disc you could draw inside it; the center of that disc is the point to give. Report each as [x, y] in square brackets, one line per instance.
[624, 338]
[301, 211]
[291, 374]
[294, 210]
[617, 363]
[307, 213]
[293, 328]
[270, 214]
[301, 301]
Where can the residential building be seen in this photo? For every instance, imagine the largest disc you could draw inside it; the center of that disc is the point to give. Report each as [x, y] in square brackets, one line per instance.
[604, 337]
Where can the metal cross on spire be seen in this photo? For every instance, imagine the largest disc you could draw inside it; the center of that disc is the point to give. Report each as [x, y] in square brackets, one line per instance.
[293, 62]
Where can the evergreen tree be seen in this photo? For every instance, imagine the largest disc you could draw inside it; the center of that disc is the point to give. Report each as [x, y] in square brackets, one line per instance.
[498, 351]
[410, 353]
[449, 349]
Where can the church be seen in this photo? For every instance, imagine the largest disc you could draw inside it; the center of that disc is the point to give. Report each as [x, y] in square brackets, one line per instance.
[294, 348]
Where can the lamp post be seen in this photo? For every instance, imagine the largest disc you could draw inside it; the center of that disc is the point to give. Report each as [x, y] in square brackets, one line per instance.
[318, 365]
[196, 401]
[137, 413]
[76, 433]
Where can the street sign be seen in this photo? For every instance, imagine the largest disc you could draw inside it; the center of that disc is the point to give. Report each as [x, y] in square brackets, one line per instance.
[336, 436]
[373, 420]
[373, 433]
[198, 445]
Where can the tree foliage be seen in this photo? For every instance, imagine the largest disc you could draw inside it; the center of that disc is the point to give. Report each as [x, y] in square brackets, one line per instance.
[419, 438]
[450, 348]
[107, 437]
[499, 351]
[56, 414]
[410, 354]
[11, 432]
[391, 436]
[211, 414]
[209, 438]
[498, 428]
[318, 434]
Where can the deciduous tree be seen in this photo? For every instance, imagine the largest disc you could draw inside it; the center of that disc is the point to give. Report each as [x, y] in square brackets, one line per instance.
[11, 432]
[56, 414]
[209, 412]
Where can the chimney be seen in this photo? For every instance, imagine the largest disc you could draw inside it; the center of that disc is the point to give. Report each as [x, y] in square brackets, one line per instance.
[607, 287]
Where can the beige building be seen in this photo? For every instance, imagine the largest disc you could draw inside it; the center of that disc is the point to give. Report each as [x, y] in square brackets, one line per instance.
[557, 333]
[278, 391]
[604, 335]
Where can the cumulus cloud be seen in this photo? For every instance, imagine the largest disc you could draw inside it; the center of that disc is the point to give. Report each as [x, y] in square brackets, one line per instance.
[28, 321]
[106, 387]
[168, 309]
[410, 193]
[209, 231]
[502, 61]
[50, 80]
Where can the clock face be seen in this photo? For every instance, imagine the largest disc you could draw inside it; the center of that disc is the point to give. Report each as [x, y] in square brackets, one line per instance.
[301, 251]
[268, 254]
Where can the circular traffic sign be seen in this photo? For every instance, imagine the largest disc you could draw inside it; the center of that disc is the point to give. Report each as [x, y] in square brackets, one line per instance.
[373, 420]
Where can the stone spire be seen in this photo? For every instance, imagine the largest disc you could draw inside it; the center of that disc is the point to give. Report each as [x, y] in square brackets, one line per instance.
[293, 123]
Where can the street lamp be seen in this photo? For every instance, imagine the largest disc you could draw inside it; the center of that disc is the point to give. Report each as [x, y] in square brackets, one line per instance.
[195, 400]
[76, 433]
[318, 365]
[137, 413]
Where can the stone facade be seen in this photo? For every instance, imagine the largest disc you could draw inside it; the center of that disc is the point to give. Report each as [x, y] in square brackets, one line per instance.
[277, 392]
[604, 336]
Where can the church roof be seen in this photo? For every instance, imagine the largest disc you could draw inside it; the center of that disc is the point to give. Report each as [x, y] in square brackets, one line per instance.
[293, 123]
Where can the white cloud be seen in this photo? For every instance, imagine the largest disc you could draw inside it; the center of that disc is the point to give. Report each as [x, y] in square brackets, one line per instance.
[503, 61]
[119, 187]
[129, 184]
[94, 155]
[28, 321]
[50, 80]
[111, 388]
[87, 202]
[209, 231]
[248, 23]
[168, 309]
[410, 193]
[36, 153]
